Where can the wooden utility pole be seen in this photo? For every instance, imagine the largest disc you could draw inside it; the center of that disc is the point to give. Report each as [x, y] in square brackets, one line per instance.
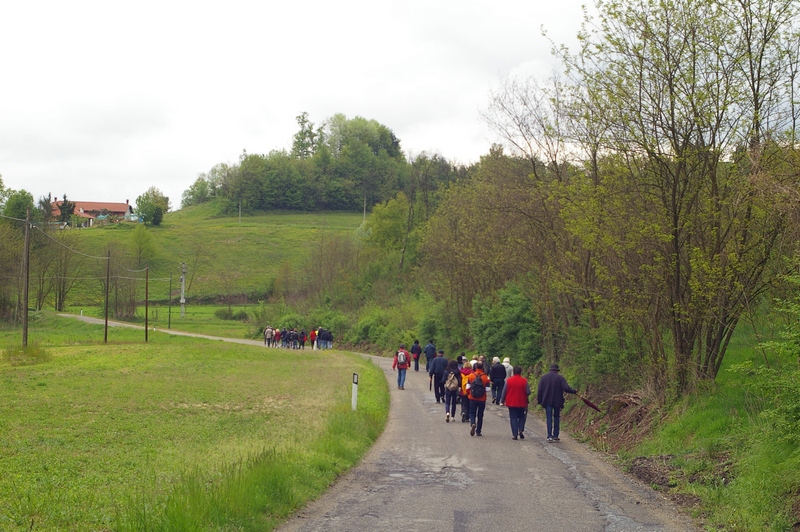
[27, 266]
[108, 282]
[146, 298]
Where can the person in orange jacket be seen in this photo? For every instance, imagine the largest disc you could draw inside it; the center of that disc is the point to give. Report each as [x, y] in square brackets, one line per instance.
[476, 384]
[402, 361]
[466, 370]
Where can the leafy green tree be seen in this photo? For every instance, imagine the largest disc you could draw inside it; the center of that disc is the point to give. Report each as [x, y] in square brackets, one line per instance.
[305, 140]
[386, 226]
[507, 326]
[142, 245]
[152, 205]
[17, 204]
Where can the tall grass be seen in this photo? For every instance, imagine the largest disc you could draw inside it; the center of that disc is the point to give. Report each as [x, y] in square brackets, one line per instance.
[726, 452]
[176, 434]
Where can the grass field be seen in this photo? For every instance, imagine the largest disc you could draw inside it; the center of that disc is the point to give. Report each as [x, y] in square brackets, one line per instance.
[175, 434]
[224, 255]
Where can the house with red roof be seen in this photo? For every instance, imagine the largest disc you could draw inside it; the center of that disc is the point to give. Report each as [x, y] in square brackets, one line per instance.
[97, 210]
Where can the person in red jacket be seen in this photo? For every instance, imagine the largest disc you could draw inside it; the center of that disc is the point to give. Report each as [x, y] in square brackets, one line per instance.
[515, 397]
[476, 385]
[312, 337]
[402, 361]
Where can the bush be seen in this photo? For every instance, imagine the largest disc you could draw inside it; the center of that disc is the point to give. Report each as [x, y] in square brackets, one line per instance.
[507, 326]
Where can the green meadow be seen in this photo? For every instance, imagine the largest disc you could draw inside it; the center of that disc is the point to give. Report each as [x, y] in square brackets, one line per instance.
[223, 255]
[175, 433]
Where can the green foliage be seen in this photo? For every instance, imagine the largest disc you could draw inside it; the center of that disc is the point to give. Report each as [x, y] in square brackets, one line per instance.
[229, 314]
[507, 326]
[18, 203]
[152, 205]
[387, 225]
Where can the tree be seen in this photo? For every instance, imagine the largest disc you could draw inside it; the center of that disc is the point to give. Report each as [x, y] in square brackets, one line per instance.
[305, 140]
[152, 205]
[66, 209]
[142, 245]
[45, 207]
[17, 204]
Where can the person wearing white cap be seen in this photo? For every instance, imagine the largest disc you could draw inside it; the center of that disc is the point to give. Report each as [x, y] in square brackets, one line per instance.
[509, 367]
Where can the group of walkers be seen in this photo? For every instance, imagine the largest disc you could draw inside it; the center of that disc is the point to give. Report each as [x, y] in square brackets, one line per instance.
[471, 382]
[293, 339]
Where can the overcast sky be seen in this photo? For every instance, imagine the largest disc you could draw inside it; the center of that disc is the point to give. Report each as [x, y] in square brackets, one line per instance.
[102, 100]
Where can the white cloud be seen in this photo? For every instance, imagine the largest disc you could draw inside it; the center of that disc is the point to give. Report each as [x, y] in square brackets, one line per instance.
[102, 100]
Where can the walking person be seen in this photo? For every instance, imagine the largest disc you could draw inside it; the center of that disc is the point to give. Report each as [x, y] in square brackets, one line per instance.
[312, 337]
[436, 372]
[302, 339]
[476, 385]
[401, 361]
[515, 397]
[416, 351]
[508, 366]
[497, 374]
[268, 332]
[466, 370]
[550, 395]
[430, 354]
[451, 380]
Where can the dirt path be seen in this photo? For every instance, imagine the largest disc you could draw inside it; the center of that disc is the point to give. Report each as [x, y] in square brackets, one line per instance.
[427, 475]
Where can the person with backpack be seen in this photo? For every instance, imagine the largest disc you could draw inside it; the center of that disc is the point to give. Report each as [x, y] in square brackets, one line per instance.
[550, 395]
[515, 397]
[466, 370]
[476, 385]
[436, 372]
[451, 380]
[402, 360]
[497, 374]
[416, 351]
[430, 354]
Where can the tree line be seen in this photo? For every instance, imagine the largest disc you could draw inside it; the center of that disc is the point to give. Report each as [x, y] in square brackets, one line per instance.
[342, 165]
[650, 197]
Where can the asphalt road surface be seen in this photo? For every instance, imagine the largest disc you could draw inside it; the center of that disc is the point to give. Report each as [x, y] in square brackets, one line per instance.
[426, 475]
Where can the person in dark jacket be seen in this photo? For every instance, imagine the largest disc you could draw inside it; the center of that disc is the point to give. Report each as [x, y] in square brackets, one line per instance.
[436, 371]
[452, 388]
[550, 395]
[430, 354]
[497, 374]
[416, 351]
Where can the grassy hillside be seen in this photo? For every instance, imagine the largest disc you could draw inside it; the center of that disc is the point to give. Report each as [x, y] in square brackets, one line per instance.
[224, 255]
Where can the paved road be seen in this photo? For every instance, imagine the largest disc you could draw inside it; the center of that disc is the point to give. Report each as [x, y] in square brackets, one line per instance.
[430, 476]
[427, 475]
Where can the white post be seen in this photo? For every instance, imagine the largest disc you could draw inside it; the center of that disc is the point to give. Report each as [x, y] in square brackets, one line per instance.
[355, 390]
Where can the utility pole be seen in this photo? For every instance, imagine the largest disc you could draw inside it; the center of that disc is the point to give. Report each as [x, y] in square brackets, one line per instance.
[169, 302]
[108, 282]
[146, 299]
[183, 289]
[27, 268]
